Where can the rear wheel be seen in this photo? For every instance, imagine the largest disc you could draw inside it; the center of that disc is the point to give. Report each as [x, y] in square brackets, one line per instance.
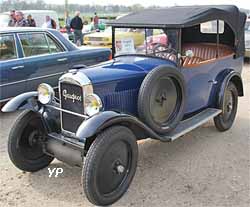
[225, 120]
[110, 165]
[24, 143]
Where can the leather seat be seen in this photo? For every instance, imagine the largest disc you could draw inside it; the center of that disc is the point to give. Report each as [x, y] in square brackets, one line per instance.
[203, 52]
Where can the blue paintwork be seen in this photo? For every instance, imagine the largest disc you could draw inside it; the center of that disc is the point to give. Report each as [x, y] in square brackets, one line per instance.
[117, 82]
[43, 68]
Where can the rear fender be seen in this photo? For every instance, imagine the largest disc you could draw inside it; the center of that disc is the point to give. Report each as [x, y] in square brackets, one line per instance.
[230, 76]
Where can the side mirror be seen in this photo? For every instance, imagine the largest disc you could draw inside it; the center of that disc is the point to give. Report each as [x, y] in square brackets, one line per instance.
[189, 53]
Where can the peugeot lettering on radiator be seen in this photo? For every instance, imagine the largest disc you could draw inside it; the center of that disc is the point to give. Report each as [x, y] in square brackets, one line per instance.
[73, 96]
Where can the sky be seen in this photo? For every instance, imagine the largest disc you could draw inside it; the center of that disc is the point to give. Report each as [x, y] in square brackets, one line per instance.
[240, 3]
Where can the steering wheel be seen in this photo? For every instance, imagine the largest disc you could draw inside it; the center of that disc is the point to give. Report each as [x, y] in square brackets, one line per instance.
[163, 51]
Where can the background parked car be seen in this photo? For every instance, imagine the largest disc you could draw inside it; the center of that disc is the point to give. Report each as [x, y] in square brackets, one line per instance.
[104, 39]
[29, 56]
[37, 15]
[68, 35]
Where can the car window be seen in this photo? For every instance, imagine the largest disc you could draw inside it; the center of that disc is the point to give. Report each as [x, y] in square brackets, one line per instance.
[7, 47]
[34, 44]
[53, 46]
[211, 27]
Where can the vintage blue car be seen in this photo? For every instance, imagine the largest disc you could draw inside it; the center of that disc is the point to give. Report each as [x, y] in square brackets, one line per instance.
[162, 93]
[30, 56]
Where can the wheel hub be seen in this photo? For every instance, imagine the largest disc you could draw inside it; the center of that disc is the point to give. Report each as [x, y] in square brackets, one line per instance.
[33, 138]
[120, 169]
[161, 98]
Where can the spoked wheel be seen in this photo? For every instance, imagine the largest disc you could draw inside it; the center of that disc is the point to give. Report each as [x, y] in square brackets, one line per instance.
[225, 120]
[24, 144]
[161, 99]
[110, 165]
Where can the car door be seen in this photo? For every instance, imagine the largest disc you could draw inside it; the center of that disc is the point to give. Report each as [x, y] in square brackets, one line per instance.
[12, 76]
[45, 60]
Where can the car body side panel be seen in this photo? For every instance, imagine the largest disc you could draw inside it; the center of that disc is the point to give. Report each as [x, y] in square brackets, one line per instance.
[202, 80]
[12, 81]
[118, 82]
[88, 57]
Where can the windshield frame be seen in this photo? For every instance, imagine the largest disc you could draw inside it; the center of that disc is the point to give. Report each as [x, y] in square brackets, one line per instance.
[178, 42]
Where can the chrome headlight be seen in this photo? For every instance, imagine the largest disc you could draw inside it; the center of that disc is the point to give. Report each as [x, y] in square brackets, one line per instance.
[93, 104]
[45, 93]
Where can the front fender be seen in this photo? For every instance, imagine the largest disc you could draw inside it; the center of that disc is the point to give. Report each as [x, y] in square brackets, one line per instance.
[22, 101]
[94, 125]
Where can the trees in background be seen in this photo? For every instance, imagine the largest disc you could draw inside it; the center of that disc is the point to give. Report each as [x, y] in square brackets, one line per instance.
[8, 5]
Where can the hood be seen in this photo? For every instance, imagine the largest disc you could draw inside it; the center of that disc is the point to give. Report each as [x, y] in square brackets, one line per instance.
[123, 67]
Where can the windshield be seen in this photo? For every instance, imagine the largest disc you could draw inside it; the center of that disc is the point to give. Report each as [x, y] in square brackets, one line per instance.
[4, 20]
[152, 42]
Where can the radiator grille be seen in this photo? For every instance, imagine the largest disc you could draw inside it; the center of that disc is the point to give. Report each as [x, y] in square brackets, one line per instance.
[71, 100]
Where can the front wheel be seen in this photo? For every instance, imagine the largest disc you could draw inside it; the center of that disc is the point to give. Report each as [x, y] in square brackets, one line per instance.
[24, 147]
[225, 120]
[110, 165]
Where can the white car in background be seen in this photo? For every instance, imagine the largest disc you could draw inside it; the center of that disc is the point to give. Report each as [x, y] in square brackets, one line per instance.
[247, 38]
[37, 15]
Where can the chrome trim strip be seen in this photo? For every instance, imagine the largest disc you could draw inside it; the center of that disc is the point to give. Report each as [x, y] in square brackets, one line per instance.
[45, 76]
[67, 111]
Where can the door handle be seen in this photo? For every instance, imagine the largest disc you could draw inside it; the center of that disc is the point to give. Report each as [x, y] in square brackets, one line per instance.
[61, 59]
[17, 67]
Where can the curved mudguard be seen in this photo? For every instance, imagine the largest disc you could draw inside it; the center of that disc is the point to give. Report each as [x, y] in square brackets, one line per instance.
[103, 120]
[236, 79]
[22, 101]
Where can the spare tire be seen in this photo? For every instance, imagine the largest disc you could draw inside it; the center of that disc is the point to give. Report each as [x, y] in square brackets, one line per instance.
[162, 98]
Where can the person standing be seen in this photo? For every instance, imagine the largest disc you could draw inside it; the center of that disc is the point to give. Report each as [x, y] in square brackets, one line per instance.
[96, 21]
[20, 20]
[12, 20]
[77, 25]
[67, 21]
[49, 23]
[31, 22]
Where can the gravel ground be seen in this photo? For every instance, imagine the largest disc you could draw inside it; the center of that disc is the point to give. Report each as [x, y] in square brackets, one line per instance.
[203, 168]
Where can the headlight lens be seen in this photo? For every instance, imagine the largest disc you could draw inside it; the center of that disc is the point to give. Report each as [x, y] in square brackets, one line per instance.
[45, 93]
[93, 104]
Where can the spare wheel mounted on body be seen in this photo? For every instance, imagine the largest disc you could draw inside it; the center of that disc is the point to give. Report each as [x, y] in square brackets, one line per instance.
[162, 98]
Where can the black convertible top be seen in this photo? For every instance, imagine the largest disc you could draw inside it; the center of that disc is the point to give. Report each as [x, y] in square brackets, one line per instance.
[182, 16]
[187, 16]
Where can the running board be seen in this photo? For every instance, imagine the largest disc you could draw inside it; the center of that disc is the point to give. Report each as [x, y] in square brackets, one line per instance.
[192, 123]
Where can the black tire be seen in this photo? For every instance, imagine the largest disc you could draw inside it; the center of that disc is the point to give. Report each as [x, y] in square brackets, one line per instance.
[224, 120]
[162, 98]
[24, 148]
[110, 165]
